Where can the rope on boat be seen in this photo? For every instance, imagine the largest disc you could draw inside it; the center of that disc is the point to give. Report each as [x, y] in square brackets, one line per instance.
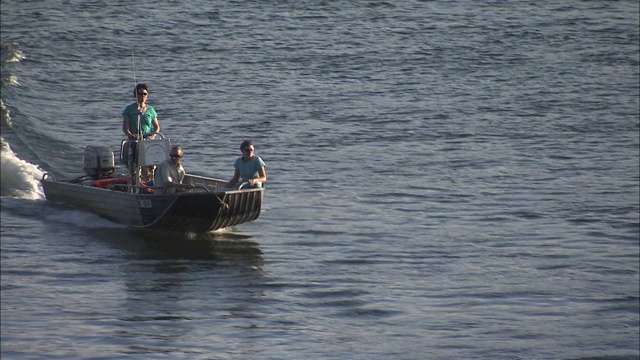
[223, 204]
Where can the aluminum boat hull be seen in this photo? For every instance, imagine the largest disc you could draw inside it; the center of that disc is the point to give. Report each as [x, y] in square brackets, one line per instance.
[206, 208]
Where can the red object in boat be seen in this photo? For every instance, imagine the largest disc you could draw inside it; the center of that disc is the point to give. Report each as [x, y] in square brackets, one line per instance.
[110, 181]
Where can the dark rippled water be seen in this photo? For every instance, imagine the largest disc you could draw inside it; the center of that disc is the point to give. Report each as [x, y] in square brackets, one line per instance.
[447, 180]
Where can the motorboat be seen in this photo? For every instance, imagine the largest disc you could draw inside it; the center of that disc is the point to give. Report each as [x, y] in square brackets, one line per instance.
[204, 205]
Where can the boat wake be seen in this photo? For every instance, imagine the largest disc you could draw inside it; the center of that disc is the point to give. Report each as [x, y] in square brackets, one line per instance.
[20, 179]
[82, 219]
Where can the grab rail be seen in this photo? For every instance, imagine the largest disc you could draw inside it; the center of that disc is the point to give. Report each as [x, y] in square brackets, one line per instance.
[243, 184]
[125, 187]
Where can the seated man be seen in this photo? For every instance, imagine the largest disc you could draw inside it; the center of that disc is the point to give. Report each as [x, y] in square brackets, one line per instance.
[170, 173]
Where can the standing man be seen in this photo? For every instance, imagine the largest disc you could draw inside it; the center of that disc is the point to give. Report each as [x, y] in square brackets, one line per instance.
[140, 113]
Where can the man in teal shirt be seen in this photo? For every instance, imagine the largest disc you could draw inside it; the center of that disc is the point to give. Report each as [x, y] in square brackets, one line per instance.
[149, 124]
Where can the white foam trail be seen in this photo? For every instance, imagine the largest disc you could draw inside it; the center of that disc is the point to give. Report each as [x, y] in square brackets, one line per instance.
[6, 114]
[82, 219]
[17, 55]
[13, 80]
[20, 178]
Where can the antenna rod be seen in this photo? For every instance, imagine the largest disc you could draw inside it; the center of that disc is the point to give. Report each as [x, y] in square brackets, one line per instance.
[133, 59]
[135, 85]
[134, 171]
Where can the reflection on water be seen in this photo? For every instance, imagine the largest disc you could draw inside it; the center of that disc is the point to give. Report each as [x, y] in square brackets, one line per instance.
[205, 246]
[164, 245]
[170, 281]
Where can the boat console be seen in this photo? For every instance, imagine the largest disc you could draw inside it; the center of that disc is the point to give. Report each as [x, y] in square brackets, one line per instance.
[149, 151]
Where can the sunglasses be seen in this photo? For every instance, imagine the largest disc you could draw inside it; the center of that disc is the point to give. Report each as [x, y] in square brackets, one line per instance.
[247, 150]
[143, 94]
[175, 156]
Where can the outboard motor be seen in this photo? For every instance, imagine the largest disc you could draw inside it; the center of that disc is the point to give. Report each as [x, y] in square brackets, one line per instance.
[98, 161]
